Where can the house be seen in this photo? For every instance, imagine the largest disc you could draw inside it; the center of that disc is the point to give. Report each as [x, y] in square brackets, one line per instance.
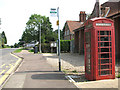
[70, 26]
[79, 32]
[111, 10]
[79, 35]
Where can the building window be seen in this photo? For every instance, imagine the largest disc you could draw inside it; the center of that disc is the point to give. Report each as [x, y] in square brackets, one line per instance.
[67, 32]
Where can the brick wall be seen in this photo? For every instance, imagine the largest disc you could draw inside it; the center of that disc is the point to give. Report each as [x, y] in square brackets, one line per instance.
[81, 42]
[67, 37]
[76, 41]
[117, 37]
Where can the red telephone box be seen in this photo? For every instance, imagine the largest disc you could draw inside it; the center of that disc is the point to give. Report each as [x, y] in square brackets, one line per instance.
[99, 49]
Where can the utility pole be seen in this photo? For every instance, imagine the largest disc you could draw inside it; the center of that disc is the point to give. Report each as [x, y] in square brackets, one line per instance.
[39, 29]
[40, 38]
[59, 40]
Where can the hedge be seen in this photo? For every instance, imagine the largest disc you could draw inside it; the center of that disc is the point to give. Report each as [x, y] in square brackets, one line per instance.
[45, 47]
[65, 45]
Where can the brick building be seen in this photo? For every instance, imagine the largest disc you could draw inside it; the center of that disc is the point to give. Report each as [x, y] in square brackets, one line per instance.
[111, 10]
[79, 32]
[69, 27]
[79, 35]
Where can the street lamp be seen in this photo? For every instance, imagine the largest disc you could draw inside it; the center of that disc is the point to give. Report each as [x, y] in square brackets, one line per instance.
[39, 28]
[40, 38]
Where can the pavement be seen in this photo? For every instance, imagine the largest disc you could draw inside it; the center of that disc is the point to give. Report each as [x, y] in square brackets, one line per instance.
[8, 63]
[35, 72]
[75, 62]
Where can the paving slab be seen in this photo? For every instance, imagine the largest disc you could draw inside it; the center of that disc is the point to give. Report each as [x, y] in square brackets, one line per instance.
[35, 72]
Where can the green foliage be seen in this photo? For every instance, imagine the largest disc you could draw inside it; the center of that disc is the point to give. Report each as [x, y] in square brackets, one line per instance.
[3, 40]
[4, 37]
[118, 75]
[61, 34]
[18, 50]
[16, 45]
[32, 29]
[74, 71]
[32, 50]
[7, 46]
[45, 47]
[65, 45]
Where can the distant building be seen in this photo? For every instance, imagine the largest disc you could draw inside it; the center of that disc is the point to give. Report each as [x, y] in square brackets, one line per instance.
[79, 35]
[111, 10]
[70, 26]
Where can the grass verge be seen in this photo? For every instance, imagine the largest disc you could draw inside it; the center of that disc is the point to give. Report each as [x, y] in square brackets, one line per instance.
[31, 50]
[18, 50]
[119, 75]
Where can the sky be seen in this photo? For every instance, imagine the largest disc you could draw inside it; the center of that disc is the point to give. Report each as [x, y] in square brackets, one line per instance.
[15, 13]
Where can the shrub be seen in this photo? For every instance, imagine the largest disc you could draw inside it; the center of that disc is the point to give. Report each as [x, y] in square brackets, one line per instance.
[45, 47]
[65, 45]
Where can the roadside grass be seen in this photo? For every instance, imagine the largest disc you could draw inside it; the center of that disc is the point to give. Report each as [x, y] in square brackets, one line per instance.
[119, 75]
[32, 50]
[74, 71]
[18, 50]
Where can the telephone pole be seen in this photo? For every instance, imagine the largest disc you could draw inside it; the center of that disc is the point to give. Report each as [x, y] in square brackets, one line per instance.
[59, 40]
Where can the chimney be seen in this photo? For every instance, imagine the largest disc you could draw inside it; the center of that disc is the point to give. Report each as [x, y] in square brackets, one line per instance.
[82, 16]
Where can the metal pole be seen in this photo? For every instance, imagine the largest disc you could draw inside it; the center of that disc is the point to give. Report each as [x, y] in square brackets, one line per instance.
[59, 41]
[40, 39]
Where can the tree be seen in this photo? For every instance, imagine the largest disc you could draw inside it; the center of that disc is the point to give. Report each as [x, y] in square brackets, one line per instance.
[31, 32]
[4, 39]
[61, 34]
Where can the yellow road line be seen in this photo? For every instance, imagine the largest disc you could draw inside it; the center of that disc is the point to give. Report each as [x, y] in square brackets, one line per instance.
[2, 71]
[6, 66]
[4, 77]
[11, 65]
[2, 65]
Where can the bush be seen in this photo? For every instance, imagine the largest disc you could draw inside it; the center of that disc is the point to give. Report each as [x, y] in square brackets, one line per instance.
[65, 45]
[31, 50]
[45, 47]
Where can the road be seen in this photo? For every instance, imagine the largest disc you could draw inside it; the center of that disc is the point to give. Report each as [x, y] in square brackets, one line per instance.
[6, 60]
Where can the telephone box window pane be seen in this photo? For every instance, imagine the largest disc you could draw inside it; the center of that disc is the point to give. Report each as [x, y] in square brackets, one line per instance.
[104, 49]
[105, 72]
[105, 33]
[105, 66]
[105, 55]
[104, 38]
[110, 49]
[105, 44]
[110, 55]
[109, 32]
[88, 51]
[101, 32]
[110, 39]
[98, 39]
[104, 61]
[99, 61]
[98, 33]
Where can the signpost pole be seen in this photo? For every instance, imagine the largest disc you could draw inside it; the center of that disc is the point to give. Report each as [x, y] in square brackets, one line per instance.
[53, 13]
[40, 39]
[59, 40]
